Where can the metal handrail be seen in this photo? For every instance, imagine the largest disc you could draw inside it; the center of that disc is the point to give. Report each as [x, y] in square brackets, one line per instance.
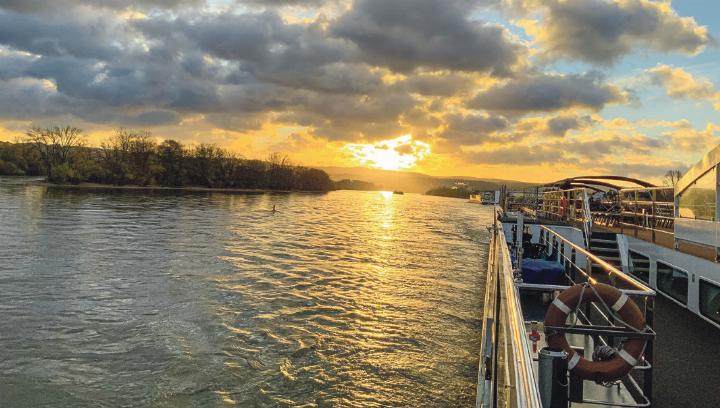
[527, 392]
[587, 219]
[520, 384]
[610, 269]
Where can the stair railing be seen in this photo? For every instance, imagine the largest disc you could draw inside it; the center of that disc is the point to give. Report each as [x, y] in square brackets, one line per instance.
[587, 218]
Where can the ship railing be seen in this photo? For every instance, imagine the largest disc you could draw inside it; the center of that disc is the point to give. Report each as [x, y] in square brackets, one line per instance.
[506, 376]
[526, 200]
[647, 209]
[570, 206]
[595, 321]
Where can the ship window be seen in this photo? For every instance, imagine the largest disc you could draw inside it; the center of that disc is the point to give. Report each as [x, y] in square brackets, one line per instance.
[699, 200]
[673, 282]
[639, 266]
[710, 300]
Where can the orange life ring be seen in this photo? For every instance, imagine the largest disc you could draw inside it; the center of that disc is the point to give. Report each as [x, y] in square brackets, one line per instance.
[624, 360]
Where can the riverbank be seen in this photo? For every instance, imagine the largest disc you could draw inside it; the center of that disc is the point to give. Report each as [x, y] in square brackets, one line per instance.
[99, 186]
[451, 192]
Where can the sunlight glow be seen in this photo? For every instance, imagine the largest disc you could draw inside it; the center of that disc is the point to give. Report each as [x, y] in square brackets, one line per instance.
[400, 153]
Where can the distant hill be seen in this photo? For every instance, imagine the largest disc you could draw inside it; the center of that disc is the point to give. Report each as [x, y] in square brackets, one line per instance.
[413, 182]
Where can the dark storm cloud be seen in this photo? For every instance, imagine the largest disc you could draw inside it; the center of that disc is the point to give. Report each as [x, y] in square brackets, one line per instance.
[468, 130]
[432, 85]
[345, 117]
[27, 99]
[32, 6]
[273, 3]
[602, 31]
[516, 155]
[84, 36]
[560, 125]
[547, 93]
[239, 68]
[406, 34]
[143, 119]
[270, 50]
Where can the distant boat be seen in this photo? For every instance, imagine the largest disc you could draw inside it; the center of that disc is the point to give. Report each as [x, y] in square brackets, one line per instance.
[485, 198]
[398, 192]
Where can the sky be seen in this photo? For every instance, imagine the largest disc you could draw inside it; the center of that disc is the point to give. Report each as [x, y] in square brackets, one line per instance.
[516, 89]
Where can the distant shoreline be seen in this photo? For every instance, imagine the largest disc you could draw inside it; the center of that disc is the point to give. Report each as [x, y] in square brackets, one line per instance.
[99, 186]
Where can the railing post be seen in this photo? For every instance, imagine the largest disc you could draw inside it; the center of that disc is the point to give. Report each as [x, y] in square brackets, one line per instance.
[561, 254]
[552, 377]
[649, 349]
[652, 214]
[622, 211]
[635, 213]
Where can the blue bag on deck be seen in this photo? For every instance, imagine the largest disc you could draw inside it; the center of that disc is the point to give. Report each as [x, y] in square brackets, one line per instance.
[542, 272]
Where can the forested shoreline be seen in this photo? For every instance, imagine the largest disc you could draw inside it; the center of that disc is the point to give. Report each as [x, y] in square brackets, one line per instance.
[451, 192]
[135, 158]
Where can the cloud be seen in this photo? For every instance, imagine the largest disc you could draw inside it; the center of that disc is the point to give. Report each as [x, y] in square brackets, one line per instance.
[546, 93]
[33, 6]
[28, 98]
[86, 35]
[518, 154]
[603, 31]
[468, 130]
[637, 169]
[680, 84]
[342, 71]
[407, 34]
[272, 3]
[693, 140]
[560, 125]
[436, 85]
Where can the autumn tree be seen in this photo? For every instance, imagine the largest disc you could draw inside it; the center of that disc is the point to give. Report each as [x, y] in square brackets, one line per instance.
[130, 157]
[55, 145]
[206, 159]
[171, 159]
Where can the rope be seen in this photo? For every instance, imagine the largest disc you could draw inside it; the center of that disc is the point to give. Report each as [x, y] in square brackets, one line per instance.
[612, 313]
[582, 293]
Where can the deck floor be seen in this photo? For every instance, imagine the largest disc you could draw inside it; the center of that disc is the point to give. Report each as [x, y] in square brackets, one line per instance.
[534, 309]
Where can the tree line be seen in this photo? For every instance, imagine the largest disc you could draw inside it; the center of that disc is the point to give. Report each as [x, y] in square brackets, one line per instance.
[132, 157]
[455, 192]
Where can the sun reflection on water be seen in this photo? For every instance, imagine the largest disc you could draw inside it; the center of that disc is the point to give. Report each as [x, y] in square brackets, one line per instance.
[346, 298]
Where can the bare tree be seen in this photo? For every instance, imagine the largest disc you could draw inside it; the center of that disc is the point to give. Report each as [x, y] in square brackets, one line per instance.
[672, 177]
[54, 144]
[281, 173]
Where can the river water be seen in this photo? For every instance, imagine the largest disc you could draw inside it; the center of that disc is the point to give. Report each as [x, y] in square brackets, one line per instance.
[167, 299]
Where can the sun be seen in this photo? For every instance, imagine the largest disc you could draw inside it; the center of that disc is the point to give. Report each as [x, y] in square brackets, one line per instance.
[394, 154]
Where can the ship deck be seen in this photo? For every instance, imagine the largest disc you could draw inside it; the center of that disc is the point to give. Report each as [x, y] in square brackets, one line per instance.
[534, 308]
[663, 238]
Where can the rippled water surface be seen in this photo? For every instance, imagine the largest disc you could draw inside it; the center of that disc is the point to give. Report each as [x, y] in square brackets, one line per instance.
[137, 298]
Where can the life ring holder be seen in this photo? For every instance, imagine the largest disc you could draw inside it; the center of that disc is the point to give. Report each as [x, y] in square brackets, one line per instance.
[632, 349]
